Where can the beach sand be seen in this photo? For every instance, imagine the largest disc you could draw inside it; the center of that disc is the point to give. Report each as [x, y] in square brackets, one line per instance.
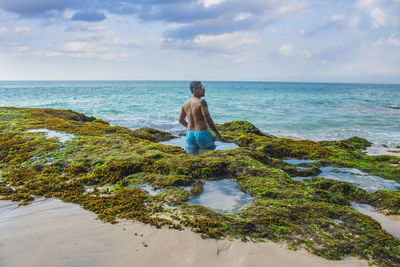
[52, 233]
[395, 218]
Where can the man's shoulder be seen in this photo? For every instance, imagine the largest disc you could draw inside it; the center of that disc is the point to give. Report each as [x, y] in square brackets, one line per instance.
[186, 102]
[193, 101]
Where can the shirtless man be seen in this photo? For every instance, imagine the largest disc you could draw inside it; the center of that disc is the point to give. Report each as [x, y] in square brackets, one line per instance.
[196, 110]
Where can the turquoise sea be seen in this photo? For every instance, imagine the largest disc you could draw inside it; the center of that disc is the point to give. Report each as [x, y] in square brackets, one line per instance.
[316, 111]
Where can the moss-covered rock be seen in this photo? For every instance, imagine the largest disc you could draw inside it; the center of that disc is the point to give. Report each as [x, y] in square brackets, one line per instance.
[386, 201]
[153, 135]
[103, 166]
[237, 127]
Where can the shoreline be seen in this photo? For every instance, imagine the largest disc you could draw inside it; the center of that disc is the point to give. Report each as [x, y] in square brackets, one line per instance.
[50, 232]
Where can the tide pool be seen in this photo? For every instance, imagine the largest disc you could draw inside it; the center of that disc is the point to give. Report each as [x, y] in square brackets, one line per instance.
[368, 182]
[222, 196]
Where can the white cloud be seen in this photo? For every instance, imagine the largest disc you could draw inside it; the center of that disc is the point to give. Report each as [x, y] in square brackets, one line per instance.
[86, 27]
[337, 22]
[287, 51]
[15, 33]
[21, 49]
[104, 45]
[68, 14]
[14, 50]
[76, 47]
[274, 30]
[87, 54]
[289, 7]
[242, 16]
[49, 53]
[383, 13]
[354, 21]
[305, 54]
[394, 39]
[226, 41]
[380, 17]
[142, 42]
[369, 61]
[22, 30]
[338, 18]
[208, 3]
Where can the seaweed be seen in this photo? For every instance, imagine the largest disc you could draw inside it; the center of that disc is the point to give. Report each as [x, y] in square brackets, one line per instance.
[103, 166]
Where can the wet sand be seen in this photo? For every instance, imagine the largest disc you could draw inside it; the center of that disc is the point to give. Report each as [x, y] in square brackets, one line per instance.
[395, 218]
[52, 233]
[390, 223]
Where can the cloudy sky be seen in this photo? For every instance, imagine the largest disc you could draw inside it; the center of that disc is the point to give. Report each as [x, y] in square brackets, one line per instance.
[262, 40]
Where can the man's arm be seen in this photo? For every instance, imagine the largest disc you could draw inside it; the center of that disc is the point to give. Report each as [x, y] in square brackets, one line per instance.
[207, 117]
[182, 118]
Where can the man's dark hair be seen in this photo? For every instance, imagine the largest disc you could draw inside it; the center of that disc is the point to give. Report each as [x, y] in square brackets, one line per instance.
[194, 85]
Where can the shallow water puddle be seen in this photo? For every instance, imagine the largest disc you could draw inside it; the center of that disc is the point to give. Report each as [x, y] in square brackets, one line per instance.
[150, 189]
[222, 196]
[389, 225]
[298, 161]
[62, 137]
[369, 183]
[181, 143]
[377, 149]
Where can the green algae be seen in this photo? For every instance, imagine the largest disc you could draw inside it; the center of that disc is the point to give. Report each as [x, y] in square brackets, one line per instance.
[153, 135]
[387, 202]
[114, 161]
[237, 127]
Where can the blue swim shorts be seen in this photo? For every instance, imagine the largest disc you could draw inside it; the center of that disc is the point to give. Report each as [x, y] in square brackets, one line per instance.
[200, 139]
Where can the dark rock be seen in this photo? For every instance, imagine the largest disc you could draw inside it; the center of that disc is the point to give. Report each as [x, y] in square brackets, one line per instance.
[241, 127]
[69, 115]
[153, 135]
[197, 188]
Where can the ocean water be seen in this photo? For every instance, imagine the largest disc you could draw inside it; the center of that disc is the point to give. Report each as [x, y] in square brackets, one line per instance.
[316, 111]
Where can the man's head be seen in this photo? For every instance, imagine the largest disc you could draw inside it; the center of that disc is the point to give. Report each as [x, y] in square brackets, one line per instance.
[197, 89]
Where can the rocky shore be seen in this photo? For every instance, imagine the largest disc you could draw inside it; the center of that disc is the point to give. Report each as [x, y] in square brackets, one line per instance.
[102, 168]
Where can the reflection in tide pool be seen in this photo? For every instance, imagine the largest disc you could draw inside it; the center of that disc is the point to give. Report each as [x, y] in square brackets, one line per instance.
[298, 161]
[181, 142]
[390, 226]
[222, 196]
[369, 183]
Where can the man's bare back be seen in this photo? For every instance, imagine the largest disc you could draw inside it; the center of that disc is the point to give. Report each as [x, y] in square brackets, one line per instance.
[196, 110]
[196, 120]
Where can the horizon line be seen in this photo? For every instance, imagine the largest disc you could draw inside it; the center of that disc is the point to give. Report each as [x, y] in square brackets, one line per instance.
[187, 80]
